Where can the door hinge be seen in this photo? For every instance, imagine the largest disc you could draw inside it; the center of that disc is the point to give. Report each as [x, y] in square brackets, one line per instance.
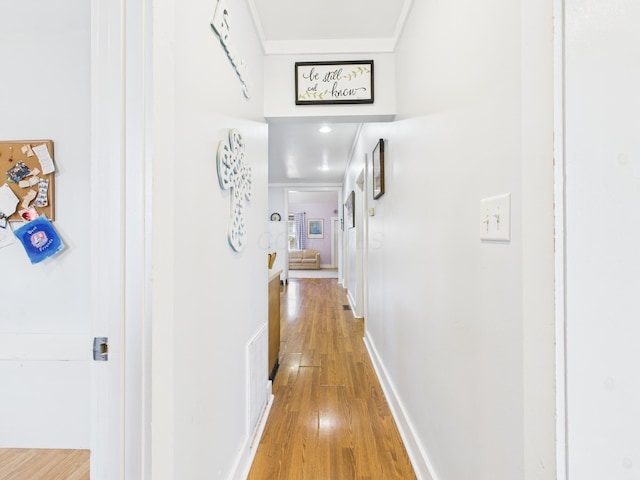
[101, 349]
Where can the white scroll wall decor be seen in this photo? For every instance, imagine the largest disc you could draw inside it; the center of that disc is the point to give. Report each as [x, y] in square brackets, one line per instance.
[221, 27]
[234, 174]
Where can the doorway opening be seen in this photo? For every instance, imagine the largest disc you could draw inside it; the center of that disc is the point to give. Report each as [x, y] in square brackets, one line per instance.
[313, 246]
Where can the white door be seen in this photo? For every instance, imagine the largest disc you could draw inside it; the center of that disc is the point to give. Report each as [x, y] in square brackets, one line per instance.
[601, 147]
[360, 244]
[334, 241]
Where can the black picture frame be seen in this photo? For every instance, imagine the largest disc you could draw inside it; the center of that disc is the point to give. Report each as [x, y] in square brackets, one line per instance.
[377, 158]
[334, 83]
[349, 210]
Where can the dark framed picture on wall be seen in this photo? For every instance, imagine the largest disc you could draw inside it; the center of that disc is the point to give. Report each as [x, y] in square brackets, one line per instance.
[378, 169]
[349, 205]
[334, 83]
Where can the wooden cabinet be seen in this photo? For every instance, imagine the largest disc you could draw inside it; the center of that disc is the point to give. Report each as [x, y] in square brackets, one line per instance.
[274, 322]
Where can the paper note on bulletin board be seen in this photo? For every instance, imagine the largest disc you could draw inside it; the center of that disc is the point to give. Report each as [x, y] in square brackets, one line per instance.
[30, 153]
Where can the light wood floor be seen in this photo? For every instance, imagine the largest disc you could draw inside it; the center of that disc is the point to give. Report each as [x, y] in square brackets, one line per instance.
[329, 419]
[39, 464]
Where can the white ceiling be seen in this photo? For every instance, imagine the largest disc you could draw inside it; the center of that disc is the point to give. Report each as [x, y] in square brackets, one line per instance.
[298, 21]
[298, 152]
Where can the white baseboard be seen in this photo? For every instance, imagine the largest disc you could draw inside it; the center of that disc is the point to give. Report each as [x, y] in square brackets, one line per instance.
[419, 459]
[352, 304]
[328, 266]
[243, 463]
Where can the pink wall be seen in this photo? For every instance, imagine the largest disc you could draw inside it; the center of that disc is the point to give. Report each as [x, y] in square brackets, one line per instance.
[322, 211]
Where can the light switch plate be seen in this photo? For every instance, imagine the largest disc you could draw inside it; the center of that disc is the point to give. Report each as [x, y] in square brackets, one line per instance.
[495, 218]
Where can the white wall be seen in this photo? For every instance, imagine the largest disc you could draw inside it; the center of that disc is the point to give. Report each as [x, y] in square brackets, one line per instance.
[447, 313]
[208, 300]
[45, 343]
[279, 89]
[278, 233]
[352, 236]
[602, 271]
[321, 210]
[276, 201]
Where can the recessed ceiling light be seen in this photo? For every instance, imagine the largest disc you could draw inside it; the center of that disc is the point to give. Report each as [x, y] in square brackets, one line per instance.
[325, 129]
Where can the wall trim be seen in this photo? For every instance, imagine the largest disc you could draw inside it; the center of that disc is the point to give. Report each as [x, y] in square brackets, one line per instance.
[354, 145]
[562, 466]
[257, 24]
[244, 461]
[352, 303]
[256, 352]
[422, 465]
[404, 14]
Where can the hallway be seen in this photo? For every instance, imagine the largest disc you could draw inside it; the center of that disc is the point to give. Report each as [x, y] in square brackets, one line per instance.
[329, 418]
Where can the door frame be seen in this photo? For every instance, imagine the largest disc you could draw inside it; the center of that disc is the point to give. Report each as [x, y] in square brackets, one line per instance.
[335, 241]
[311, 189]
[361, 241]
[560, 239]
[120, 237]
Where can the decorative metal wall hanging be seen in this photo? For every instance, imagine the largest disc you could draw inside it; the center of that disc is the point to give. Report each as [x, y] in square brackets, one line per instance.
[220, 26]
[235, 175]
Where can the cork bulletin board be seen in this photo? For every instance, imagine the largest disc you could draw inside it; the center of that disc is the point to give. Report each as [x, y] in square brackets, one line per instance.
[15, 158]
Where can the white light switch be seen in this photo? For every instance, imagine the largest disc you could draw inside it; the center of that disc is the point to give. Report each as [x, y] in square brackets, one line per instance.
[495, 218]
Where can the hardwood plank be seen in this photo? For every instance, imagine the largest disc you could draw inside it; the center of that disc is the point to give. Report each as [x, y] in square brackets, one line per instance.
[43, 464]
[329, 419]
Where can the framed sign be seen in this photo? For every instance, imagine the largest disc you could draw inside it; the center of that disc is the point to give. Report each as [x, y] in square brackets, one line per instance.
[330, 83]
[378, 169]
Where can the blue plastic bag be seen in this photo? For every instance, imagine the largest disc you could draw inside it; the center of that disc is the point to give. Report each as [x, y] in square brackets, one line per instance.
[39, 239]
